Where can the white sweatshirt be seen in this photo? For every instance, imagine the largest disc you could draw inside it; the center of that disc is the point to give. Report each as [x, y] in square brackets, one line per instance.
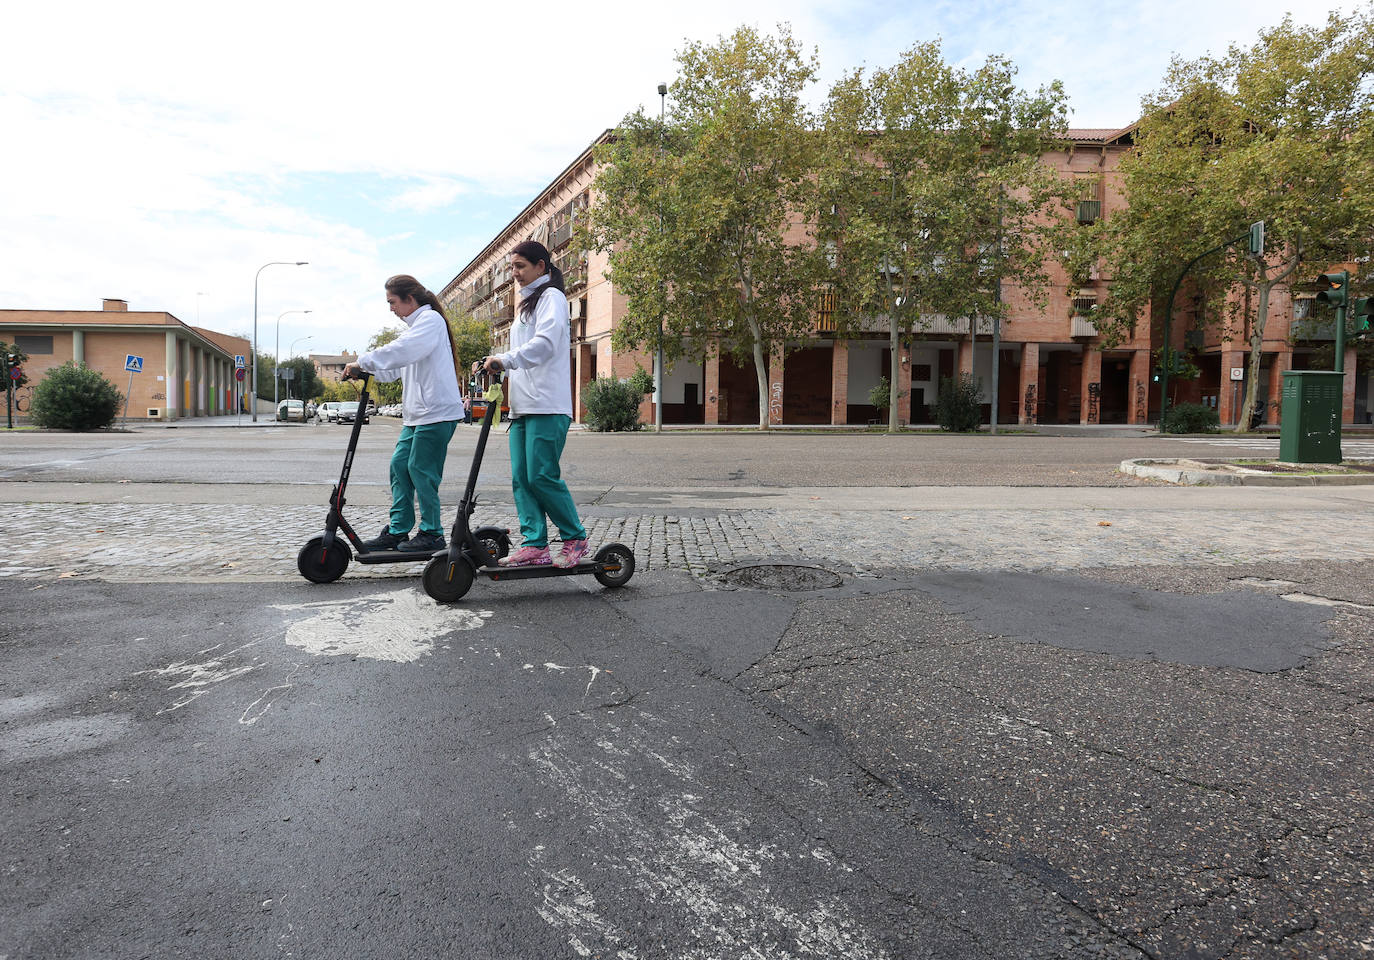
[420, 357]
[540, 379]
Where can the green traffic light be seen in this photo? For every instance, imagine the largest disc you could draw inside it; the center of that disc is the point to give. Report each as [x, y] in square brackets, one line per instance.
[1362, 310]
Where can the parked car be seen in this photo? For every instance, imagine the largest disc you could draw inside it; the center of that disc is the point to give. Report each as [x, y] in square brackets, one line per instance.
[291, 410]
[327, 412]
[348, 412]
[371, 408]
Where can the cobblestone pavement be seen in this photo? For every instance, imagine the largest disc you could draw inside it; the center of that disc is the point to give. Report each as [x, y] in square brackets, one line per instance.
[194, 542]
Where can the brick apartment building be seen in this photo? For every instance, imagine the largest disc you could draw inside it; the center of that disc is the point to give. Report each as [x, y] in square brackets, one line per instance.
[187, 371]
[1053, 368]
[329, 366]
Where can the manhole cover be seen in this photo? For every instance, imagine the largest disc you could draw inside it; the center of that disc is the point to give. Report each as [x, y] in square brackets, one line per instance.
[782, 576]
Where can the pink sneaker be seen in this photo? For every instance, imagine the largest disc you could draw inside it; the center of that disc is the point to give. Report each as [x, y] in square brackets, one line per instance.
[527, 557]
[574, 552]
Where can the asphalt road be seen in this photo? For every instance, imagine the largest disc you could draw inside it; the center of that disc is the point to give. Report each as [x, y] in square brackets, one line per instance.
[1149, 758]
[314, 453]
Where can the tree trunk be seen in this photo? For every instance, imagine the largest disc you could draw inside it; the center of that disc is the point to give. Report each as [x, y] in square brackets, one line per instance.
[760, 371]
[894, 368]
[1262, 286]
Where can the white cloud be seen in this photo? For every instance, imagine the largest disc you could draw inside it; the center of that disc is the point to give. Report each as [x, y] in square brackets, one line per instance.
[157, 149]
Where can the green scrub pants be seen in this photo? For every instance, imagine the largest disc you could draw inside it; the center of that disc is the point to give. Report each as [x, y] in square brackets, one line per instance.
[417, 466]
[536, 444]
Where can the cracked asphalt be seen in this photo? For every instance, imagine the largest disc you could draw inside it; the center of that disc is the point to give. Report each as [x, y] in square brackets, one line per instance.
[859, 721]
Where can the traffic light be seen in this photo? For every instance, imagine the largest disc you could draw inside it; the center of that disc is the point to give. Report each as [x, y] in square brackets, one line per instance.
[1255, 241]
[1363, 312]
[1335, 292]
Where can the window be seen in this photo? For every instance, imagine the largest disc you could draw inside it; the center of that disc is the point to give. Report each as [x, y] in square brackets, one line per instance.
[34, 346]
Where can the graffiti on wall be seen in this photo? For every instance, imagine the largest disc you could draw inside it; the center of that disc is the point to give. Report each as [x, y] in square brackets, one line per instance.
[1030, 404]
[1141, 402]
[1094, 398]
[775, 403]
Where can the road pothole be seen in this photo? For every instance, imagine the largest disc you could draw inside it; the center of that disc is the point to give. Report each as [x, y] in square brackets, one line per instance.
[782, 576]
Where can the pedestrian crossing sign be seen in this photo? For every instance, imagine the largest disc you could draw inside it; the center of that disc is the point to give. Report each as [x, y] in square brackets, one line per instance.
[239, 361]
[132, 363]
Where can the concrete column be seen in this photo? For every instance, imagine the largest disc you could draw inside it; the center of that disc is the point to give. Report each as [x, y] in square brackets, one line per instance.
[1091, 406]
[168, 403]
[1030, 382]
[79, 346]
[775, 386]
[712, 387]
[1138, 404]
[839, 383]
[1348, 387]
[901, 393]
[1282, 361]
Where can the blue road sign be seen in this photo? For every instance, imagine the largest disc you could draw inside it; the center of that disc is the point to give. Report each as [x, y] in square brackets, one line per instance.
[132, 363]
[239, 361]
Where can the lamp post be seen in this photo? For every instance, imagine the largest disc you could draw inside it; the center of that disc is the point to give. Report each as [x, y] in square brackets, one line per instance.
[274, 263]
[658, 352]
[292, 352]
[276, 356]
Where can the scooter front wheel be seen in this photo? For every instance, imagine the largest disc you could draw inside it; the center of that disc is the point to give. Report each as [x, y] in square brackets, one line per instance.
[447, 581]
[317, 566]
[622, 558]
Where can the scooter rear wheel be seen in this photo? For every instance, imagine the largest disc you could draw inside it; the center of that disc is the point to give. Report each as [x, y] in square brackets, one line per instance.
[445, 581]
[616, 553]
[320, 567]
[495, 539]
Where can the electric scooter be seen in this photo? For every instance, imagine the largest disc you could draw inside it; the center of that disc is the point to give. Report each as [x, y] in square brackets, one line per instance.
[325, 557]
[449, 574]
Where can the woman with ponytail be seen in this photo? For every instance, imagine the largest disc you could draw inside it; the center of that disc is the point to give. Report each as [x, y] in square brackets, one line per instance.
[425, 358]
[539, 388]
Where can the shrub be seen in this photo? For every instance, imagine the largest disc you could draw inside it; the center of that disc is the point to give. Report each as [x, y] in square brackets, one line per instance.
[75, 397]
[881, 395]
[612, 404]
[1190, 418]
[957, 407]
[642, 380]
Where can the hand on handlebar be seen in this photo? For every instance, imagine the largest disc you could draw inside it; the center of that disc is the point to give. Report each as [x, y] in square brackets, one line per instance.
[489, 365]
[352, 371]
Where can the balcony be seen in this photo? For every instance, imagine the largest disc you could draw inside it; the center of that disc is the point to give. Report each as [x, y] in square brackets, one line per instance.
[560, 235]
[1081, 326]
[1089, 211]
[482, 289]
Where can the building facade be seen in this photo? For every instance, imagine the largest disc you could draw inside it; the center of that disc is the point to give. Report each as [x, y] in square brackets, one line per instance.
[186, 371]
[1052, 364]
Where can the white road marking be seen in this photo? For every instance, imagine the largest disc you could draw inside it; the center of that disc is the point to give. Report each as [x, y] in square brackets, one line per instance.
[400, 626]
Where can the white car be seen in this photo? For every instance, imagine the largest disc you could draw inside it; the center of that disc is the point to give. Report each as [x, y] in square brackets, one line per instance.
[328, 411]
[291, 410]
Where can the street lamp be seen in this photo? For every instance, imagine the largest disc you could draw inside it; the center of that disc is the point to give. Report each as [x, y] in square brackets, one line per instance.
[658, 353]
[274, 263]
[292, 352]
[276, 356]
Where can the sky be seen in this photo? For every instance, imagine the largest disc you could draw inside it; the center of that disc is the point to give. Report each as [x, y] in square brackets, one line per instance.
[162, 152]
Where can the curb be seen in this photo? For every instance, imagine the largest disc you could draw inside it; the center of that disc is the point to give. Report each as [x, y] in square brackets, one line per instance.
[1200, 473]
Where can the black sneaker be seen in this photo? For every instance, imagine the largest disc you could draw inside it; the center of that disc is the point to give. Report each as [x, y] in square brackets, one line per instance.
[387, 541]
[423, 543]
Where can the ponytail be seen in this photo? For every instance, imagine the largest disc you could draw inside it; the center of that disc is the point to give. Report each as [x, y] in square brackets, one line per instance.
[407, 287]
[535, 252]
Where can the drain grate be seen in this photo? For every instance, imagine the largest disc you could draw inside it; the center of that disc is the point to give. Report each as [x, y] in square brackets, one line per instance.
[782, 576]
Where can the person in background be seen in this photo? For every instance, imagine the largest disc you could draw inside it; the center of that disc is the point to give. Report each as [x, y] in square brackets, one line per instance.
[425, 359]
[539, 391]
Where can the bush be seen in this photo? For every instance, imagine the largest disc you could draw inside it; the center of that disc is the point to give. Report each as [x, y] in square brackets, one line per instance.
[642, 380]
[1190, 418]
[75, 397]
[881, 396]
[957, 408]
[612, 404]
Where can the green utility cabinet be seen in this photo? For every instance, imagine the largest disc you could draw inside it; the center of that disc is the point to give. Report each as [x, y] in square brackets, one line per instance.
[1311, 427]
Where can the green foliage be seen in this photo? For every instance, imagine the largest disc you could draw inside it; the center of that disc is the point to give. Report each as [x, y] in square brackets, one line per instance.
[75, 397]
[472, 338]
[612, 404]
[696, 213]
[957, 408]
[932, 193]
[642, 380]
[881, 395]
[341, 390]
[1280, 131]
[20, 358]
[1190, 418]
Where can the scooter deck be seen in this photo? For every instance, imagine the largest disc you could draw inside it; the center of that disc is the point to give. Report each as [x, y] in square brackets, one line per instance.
[394, 556]
[544, 570]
